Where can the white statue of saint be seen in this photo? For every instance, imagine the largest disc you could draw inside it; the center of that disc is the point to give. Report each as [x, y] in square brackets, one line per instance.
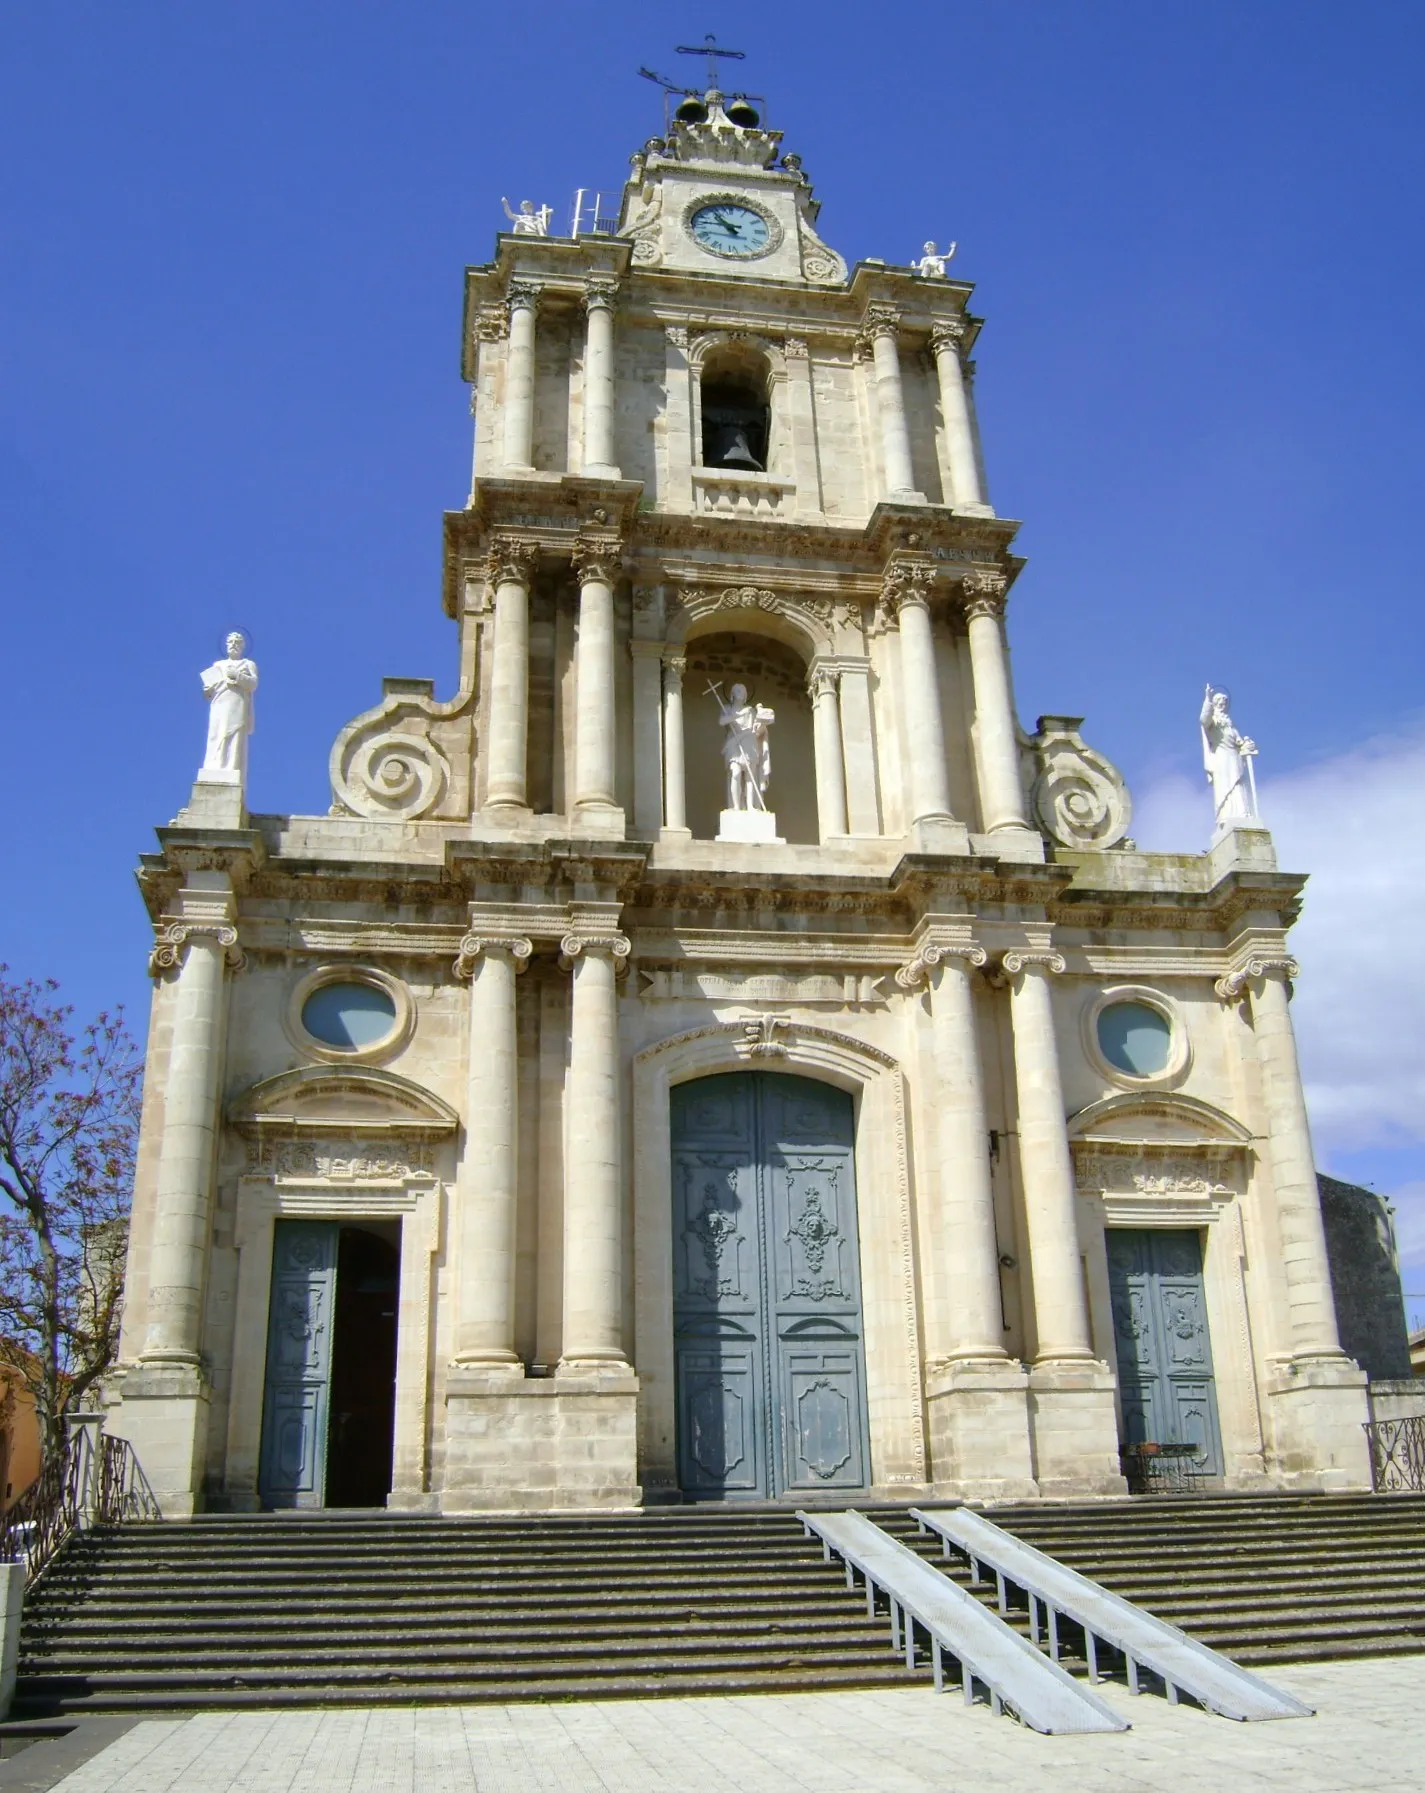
[1228, 757]
[529, 220]
[228, 685]
[746, 752]
[932, 265]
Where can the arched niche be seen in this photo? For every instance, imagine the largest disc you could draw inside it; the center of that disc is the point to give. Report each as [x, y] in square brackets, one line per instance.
[738, 381]
[775, 674]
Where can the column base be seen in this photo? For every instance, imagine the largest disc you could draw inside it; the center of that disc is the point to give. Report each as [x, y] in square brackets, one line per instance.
[162, 1409]
[1074, 1423]
[539, 1444]
[601, 821]
[978, 1409]
[939, 834]
[1315, 1408]
[1021, 845]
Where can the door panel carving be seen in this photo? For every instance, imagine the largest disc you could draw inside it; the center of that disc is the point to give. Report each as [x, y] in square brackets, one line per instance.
[1165, 1380]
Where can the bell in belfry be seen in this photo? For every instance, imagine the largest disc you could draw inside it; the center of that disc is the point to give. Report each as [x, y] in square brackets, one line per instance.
[733, 449]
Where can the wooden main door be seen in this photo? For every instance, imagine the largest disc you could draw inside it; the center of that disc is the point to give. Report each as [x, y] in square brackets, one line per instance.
[770, 1365]
[1165, 1380]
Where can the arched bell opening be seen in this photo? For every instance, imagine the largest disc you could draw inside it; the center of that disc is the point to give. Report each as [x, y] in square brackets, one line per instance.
[775, 675]
[736, 408]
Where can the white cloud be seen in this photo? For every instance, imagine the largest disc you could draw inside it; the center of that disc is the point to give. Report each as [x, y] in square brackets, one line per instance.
[1354, 823]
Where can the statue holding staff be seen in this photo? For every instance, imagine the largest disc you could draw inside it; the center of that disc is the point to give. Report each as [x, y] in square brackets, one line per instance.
[746, 751]
[1227, 756]
[529, 221]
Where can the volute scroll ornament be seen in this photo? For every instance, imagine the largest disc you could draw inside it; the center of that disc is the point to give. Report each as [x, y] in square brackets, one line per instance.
[473, 945]
[618, 945]
[1230, 987]
[917, 970]
[171, 944]
[1078, 797]
[1014, 962]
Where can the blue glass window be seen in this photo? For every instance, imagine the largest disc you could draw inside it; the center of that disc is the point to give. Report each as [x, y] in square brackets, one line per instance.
[1135, 1038]
[349, 1016]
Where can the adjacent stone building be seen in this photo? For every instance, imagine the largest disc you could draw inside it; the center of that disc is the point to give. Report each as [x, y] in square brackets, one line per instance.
[521, 1133]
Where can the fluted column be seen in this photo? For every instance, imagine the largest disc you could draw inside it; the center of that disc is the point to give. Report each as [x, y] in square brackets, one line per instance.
[593, 1187]
[906, 595]
[487, 1190]
[881, 329]
[965, 494]
[996, 738]
[675, 783]
[1310, 1306]
[201, 953]
[519, 379]
[511, 565]
[1046, 1165]
[600, 297]
[963, 1318]
[826, 737]
[595, 564]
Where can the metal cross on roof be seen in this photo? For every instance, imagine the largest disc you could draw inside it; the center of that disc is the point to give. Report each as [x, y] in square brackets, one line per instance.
[709, 48]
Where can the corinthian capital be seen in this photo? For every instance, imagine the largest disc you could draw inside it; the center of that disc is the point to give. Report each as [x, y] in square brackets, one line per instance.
[509, 560]
[172, 941]
[949, 333]
[524, 295]
[596, 557]
[600, 292]
[879, 319]
[473, 945]
[1230, 987]
[906, 580]
[984, 594]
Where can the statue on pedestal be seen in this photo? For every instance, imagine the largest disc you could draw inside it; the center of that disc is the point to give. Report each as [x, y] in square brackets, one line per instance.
[746, 752]
[1227, 756]
[228, 686]
[529, 220]
[932, 264]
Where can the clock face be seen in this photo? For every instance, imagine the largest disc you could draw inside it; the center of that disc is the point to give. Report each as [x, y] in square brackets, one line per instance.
[728, 229]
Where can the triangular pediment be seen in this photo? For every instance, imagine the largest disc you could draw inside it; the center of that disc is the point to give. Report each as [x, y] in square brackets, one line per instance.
[1156, 1120]
[355, 1100]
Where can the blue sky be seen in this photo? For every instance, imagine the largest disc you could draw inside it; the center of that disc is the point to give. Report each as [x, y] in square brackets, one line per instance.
[231, 241]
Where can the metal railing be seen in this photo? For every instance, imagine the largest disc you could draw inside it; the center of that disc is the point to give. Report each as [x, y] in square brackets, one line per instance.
[1397, 1448]
[94, 1480]
[1153, 1468]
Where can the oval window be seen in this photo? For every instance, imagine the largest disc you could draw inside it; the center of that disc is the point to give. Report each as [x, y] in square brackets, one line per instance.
[348, 1017]
[1135, 1038]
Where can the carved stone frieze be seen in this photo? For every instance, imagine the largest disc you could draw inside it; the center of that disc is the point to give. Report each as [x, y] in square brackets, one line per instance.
[341, 1160]
[1133, 1171]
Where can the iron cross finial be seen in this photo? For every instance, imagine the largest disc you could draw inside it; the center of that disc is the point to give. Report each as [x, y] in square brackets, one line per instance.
[709, 48]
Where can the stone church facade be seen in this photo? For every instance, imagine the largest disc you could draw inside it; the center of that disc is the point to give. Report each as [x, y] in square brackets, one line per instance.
[511, 1140]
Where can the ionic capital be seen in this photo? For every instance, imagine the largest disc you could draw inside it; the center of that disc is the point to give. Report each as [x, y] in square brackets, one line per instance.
[600, 293]
[618, 946]
[949, 334]
[473, 945]
[1023, 959]
[984, 594]
[510, 561]
[916, 971]
[1230, 987]
[172, 941]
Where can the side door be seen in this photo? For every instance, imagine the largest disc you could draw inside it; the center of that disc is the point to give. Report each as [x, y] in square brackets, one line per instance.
[297, 1392]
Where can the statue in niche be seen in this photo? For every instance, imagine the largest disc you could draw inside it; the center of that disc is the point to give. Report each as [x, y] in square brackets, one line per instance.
[228, 686]
[529, 220]
[1228, 757]
[932, 265]
[746, 751]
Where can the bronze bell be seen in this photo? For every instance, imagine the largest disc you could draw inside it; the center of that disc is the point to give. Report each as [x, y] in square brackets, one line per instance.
[691, 111]
[743, 114]
[735, 451]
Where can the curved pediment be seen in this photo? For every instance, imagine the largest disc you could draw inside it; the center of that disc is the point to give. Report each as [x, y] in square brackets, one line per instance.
[1163, 1119]
[355, 1100]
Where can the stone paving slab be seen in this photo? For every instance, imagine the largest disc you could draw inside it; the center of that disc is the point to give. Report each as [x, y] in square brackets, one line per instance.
[1369, 1732]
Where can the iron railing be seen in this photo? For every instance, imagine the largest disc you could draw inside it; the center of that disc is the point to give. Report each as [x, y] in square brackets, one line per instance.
[1153, 1468]
[1397, 1448]
[94, 1480]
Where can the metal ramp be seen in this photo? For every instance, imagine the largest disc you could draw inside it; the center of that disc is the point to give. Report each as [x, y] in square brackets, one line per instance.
[1044, 1695]
[1056, 1591]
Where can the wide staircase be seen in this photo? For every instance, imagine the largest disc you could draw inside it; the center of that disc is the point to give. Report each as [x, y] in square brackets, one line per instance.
[345, 1610]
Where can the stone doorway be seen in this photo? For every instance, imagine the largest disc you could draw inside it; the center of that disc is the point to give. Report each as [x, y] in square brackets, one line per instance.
[329, 1397]
[767, 1318]
[1167, 1391]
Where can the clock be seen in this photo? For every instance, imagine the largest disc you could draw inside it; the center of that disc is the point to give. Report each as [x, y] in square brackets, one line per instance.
[725, 227]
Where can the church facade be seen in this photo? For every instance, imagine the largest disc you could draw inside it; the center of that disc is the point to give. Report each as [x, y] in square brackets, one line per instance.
[586, 1111]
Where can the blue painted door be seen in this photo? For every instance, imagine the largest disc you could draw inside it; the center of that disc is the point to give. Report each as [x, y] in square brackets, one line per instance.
[1165, 1377]
[770, 1365]
[293, 1465]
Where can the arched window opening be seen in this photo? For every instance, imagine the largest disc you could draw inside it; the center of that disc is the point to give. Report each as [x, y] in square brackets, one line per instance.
[737, 413]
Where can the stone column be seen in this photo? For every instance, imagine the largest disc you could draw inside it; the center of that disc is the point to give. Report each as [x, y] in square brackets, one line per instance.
[675, 783]
[519, 379]
[965, 494]
[906, 593]
[1305, 1269]
[1060, 1305]
[830, 771]
[487, 1187]
[996, 738]
[882, 329]
[595, 564]
[600, 297]
[183, 1195]
[647, 658]
[510, 567]
[593, 1187]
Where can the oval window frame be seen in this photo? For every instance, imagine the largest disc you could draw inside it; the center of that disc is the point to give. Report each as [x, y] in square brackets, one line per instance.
[390, 1042]
[1179, 1043]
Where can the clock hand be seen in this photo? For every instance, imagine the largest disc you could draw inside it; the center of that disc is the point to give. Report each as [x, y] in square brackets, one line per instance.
[727, 223]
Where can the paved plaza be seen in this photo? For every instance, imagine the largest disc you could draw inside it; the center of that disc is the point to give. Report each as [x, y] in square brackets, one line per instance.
[1369, 1732]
